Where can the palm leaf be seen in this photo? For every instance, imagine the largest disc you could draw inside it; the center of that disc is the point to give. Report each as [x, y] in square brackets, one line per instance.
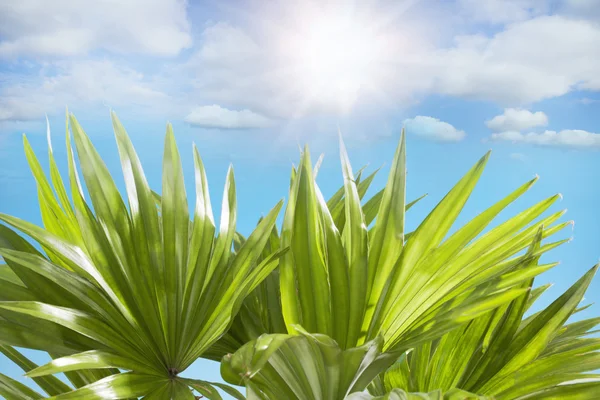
[134, 293]
[506, 356]
[303, 366]
[351, 286]
[418, 287]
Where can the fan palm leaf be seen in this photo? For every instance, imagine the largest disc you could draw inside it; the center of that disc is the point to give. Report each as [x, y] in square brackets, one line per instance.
[356, 285]
[302, 366]
[133, 294]
[261, 311]
[375, 281]
[506, 356]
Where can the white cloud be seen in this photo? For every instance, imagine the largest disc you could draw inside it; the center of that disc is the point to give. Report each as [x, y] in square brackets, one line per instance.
[232, 68]
[224, 44]
[78, 84]
[529, 61]
[221, 118]
[65, 28]
[433, 128]
[514, 119]
[510, 126]
[569, 138]
[235, 68]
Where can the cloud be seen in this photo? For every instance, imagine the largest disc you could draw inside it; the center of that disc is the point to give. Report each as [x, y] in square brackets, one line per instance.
[514, 119]
[433, 129]
[79, 84]
[235, 68]
[531, 58]
[569, 138]
[224, 44]
[218, 117]
[529, 61]
[510, 126]
[230, 67]
[67, 28]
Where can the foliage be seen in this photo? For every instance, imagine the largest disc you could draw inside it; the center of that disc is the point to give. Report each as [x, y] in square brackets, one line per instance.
[279, 366]
[125, 295]
[137, 289]
[506, 356]
[356, 284]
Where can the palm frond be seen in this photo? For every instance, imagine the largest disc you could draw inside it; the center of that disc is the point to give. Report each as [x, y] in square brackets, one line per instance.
[119, 284]
[356, 284]
[506, 356]
[303, 366]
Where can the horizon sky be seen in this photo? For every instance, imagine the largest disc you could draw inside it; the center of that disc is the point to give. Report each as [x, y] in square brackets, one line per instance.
[249, 82]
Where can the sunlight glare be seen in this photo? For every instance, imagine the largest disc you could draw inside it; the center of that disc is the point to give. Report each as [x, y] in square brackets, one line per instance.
[336, 56]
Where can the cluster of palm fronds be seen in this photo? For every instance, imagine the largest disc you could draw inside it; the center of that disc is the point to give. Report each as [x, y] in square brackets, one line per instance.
[340, 302]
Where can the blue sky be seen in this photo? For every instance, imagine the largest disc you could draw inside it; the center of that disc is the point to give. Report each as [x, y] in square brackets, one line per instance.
[248, 82]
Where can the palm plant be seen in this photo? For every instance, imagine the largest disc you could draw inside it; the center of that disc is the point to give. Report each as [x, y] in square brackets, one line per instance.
[125, 298]
[261, 311]
[350, 292]
[506, 356]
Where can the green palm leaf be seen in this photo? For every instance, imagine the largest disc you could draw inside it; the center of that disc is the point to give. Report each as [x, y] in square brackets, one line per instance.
[126, 287]
[261, 311]
[13, 390]
[418, 287]
[506, 356]
[303, 366]
[129, 292]
[352, 285]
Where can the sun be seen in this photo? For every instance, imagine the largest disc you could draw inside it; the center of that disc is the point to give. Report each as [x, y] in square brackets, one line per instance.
[334, 58]
[336, 52]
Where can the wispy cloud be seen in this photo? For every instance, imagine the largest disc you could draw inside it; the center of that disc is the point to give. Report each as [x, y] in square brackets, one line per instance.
[581, 8]
[215, 116]
[528, 61]
[89, 53]
[568, 138]
[67, 28]
[433, 129]
[81, 83]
